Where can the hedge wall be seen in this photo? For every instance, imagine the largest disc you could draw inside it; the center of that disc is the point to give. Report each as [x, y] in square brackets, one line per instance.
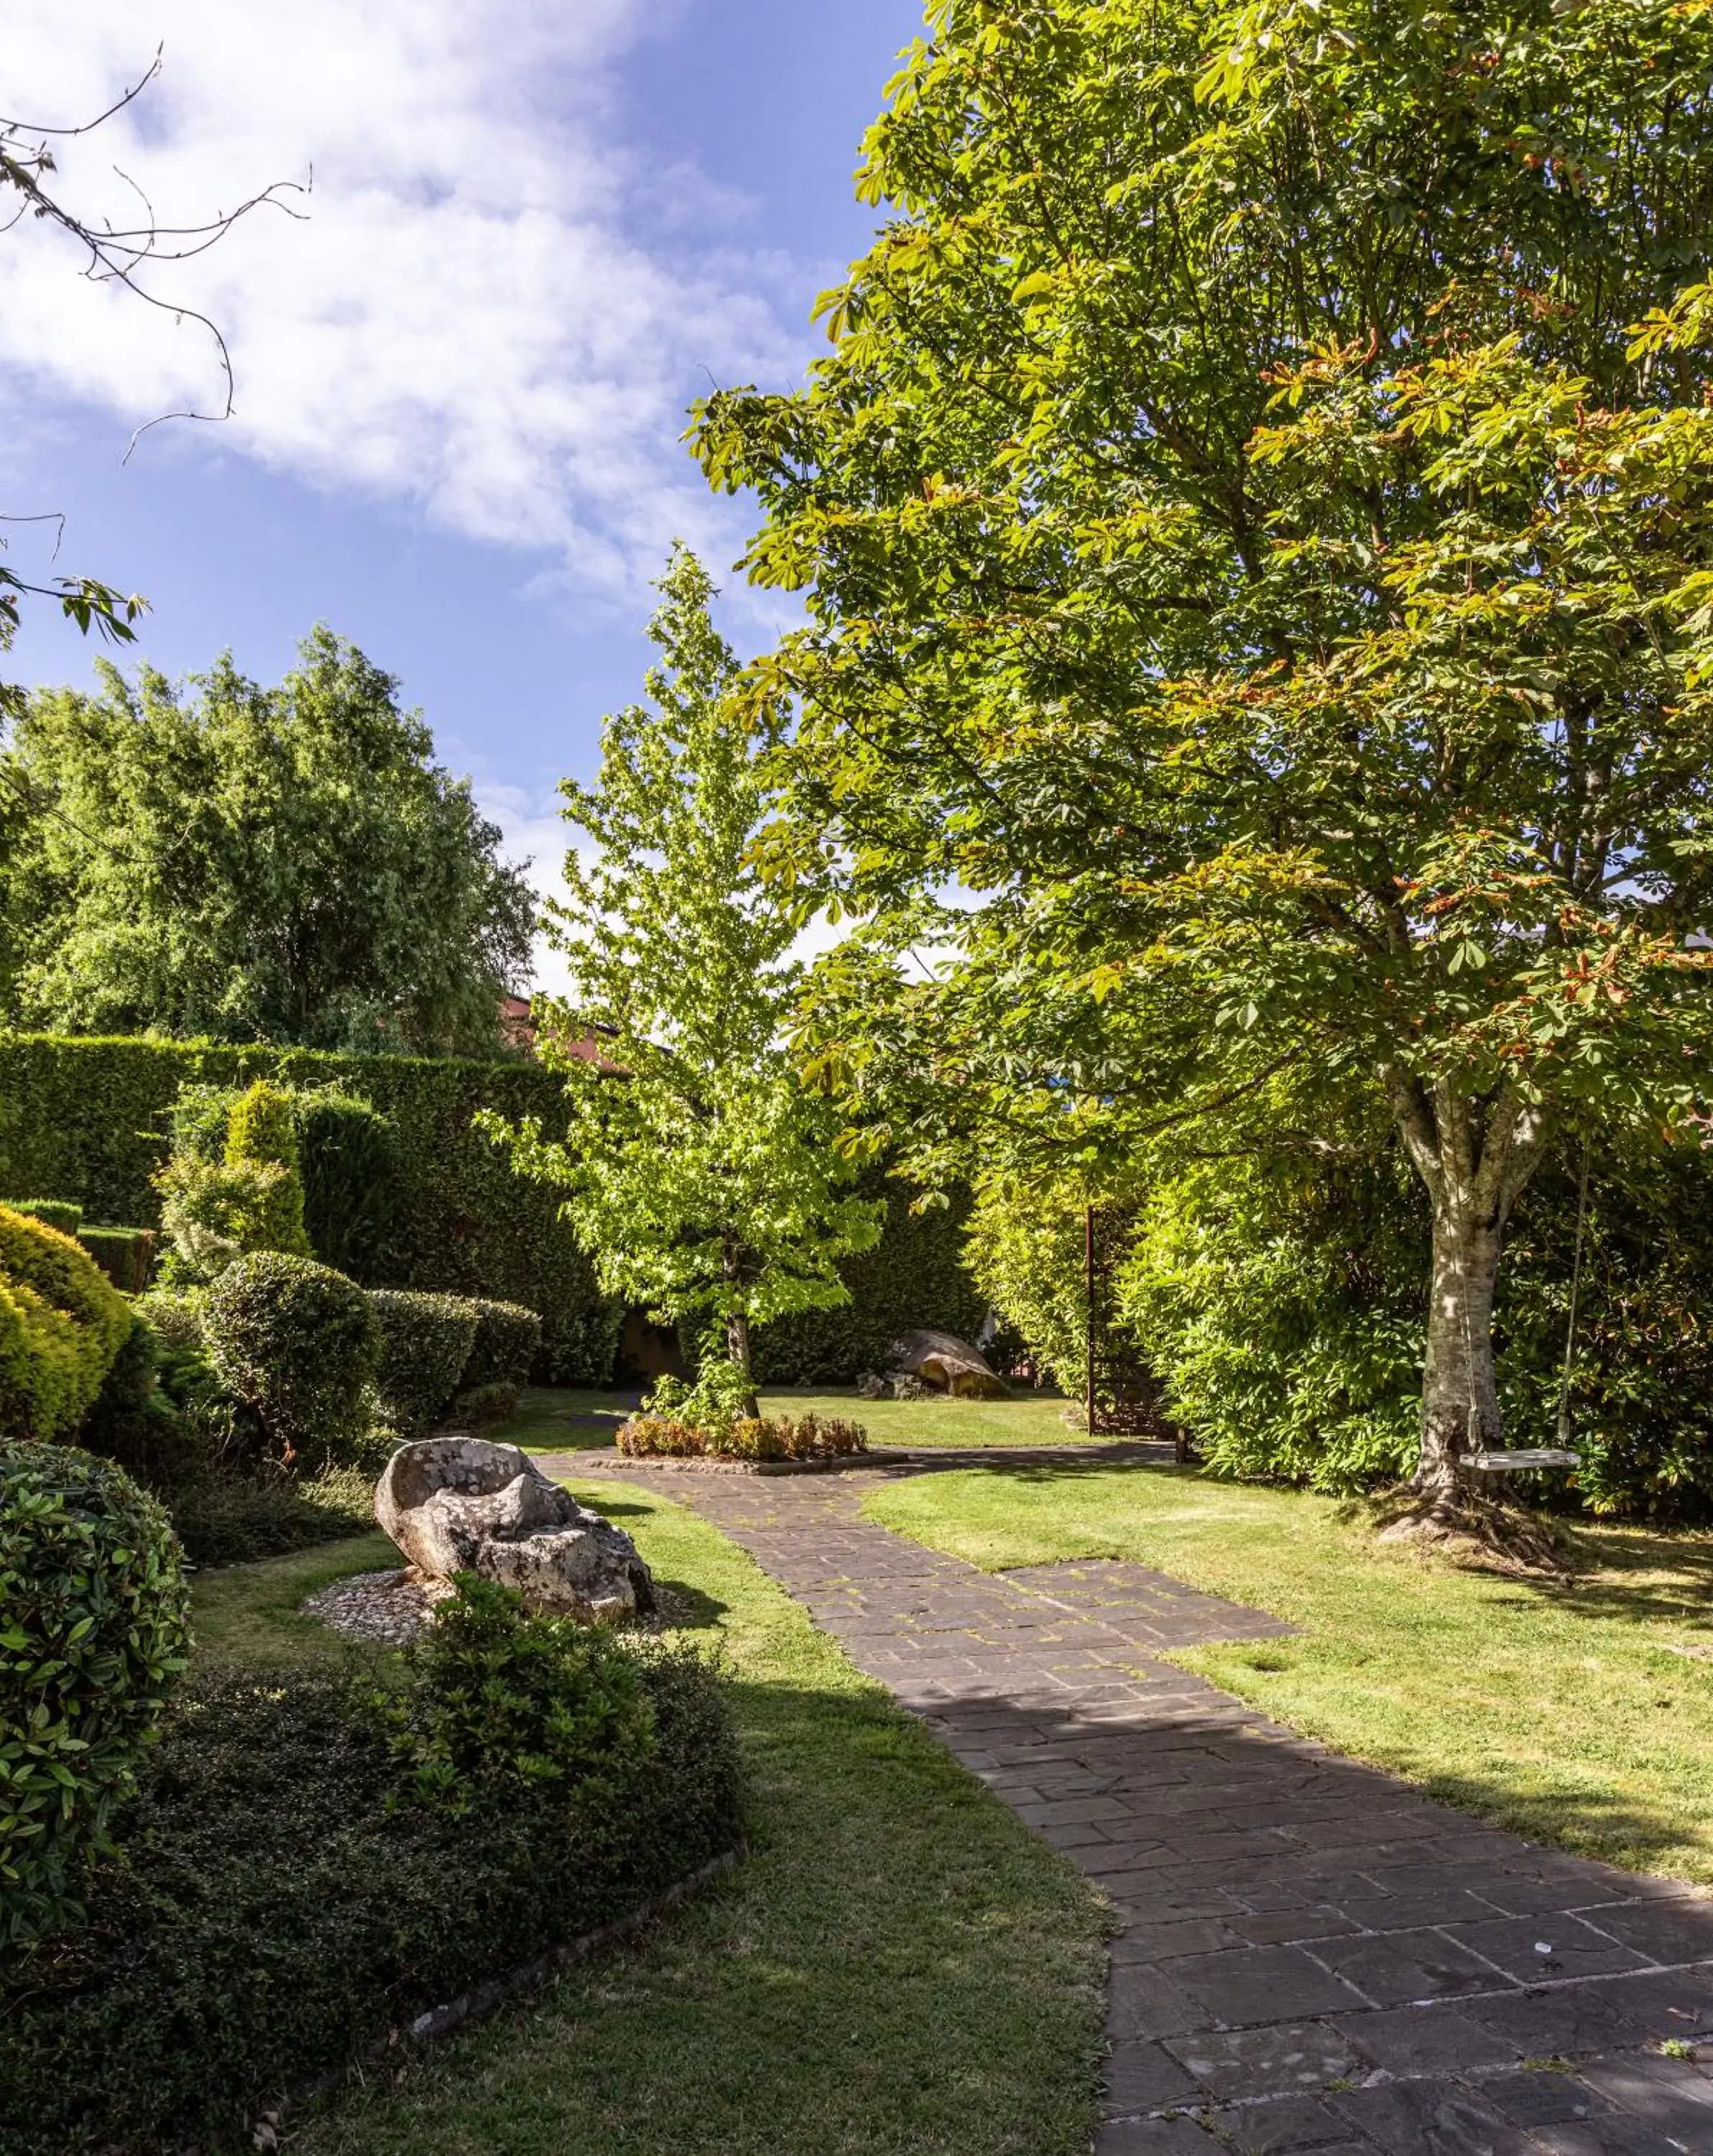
[85, 1119]
[914, 1276]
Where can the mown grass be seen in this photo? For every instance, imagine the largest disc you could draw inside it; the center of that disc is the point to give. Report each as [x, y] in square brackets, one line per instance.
[561, 1419]
[251, 1612]
[1560, 1711]
[898, 1968]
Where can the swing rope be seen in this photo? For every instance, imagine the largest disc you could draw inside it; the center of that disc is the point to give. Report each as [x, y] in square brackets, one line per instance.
[1576, 1287]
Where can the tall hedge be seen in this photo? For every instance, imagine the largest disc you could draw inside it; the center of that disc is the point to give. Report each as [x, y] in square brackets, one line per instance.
[914, 1276]
[86, 1120]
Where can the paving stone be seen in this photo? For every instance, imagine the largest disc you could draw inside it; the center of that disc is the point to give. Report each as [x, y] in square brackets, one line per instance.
[1663, 1931]
[1264, 1983]
[1288, 2122]
[1514, 1943]
[1431, 2119]
[1142, 2077]
[1563, 2023]
[1288, 2057]
[1395, 1969]
[1425, 2040]
[1666, 2093]
[1545, 2098]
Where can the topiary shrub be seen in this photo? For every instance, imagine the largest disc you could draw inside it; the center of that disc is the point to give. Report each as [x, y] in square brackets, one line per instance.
[248, 1198]
[93, 1634]
[350, 1169]
[508, 1339]
[126, 1255]
[425, 1345]
[51, 1212]
[62, 1321]
[298, 1344]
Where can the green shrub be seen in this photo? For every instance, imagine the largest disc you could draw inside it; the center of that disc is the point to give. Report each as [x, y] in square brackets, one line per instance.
[298, 1344]
[350, 1175]
[228, 1516]
[51, 1212]
[499, 1700]
[61, 1324]
[425, 1344]
[126, 1255]
[276, 1920]
[93, 1632]
[508, 1340]
[474, 1405]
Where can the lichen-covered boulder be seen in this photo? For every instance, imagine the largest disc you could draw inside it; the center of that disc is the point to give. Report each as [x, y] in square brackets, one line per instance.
[458, 1504]
[951, 1364]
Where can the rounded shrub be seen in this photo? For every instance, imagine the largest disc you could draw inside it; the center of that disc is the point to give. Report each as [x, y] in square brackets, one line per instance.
[93, 1634]
[508, 1339]
[425, 1344]
[297, 1342]
[62, 1321]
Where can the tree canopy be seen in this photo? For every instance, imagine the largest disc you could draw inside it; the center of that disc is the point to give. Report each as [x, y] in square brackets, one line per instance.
[698, 1170]
[1256, 528]
[285, 865]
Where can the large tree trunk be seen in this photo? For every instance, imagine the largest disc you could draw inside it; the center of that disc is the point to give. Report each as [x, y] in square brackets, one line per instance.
[1474, 1158]
[737, 1326]
[1460, 1398]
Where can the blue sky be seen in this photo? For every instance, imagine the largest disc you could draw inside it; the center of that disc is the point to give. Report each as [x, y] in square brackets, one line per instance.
[535, 233]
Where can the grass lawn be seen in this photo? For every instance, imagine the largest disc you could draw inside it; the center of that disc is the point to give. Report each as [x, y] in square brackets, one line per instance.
[555, 1420]
[1560, 1712]
[898, 1969]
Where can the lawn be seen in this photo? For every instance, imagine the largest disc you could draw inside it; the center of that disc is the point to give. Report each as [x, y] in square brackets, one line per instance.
[558, 1420]
[898, 1969]
[1562, 1712]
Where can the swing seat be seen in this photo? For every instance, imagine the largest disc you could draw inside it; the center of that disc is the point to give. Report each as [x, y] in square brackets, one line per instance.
[1508, 1463]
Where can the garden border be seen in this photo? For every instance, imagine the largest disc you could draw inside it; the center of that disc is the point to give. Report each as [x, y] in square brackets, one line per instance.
[702, 1464]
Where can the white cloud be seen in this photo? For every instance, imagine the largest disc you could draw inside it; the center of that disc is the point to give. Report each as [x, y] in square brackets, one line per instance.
[494, 311]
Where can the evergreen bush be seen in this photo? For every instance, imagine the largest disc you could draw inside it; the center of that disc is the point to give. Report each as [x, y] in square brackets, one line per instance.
[350, 1175]
[126, 1255]
[93, 1634]
[62, 1323]
[425, 1342]
[298, 1344]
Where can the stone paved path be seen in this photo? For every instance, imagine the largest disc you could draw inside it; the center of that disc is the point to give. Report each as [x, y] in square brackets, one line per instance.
[1313, 1957]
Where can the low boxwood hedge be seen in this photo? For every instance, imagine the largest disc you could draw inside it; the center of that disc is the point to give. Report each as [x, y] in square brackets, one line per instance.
[425, 1344]
[285, 1905]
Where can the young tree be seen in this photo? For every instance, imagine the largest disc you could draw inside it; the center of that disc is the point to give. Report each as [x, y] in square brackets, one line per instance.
[698, 1171]
[1258, 526]
[282, 865]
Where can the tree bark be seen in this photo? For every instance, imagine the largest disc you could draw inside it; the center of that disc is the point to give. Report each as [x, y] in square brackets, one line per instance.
[1459, 1396]
[1474, 1158]
[737, 1330]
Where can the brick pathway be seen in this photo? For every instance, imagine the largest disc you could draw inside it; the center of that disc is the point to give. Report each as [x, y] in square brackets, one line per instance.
[1313, 1957]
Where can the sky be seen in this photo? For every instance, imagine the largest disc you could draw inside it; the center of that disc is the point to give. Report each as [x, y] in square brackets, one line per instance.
[535, 232]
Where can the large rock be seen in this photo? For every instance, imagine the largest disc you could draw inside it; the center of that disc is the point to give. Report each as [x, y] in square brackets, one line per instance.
[458, 1504]
[951, 1363]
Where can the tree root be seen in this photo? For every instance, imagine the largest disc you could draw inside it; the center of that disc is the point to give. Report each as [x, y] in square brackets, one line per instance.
[1477, 1533]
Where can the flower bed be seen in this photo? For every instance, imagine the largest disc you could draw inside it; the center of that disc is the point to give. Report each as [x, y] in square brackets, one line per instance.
[750, 1437]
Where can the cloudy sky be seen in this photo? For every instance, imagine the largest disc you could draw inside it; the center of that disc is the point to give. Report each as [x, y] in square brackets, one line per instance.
[535, 233]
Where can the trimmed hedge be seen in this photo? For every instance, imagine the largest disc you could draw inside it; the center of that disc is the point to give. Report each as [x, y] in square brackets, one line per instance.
[51, 1212]
[913, 1277]
[62, 1323]
[89, 1118]
[279, 1916]
[425, 1343]
[298, 1344]
[93, 1631]
[126, 1255]
[508, 1339]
